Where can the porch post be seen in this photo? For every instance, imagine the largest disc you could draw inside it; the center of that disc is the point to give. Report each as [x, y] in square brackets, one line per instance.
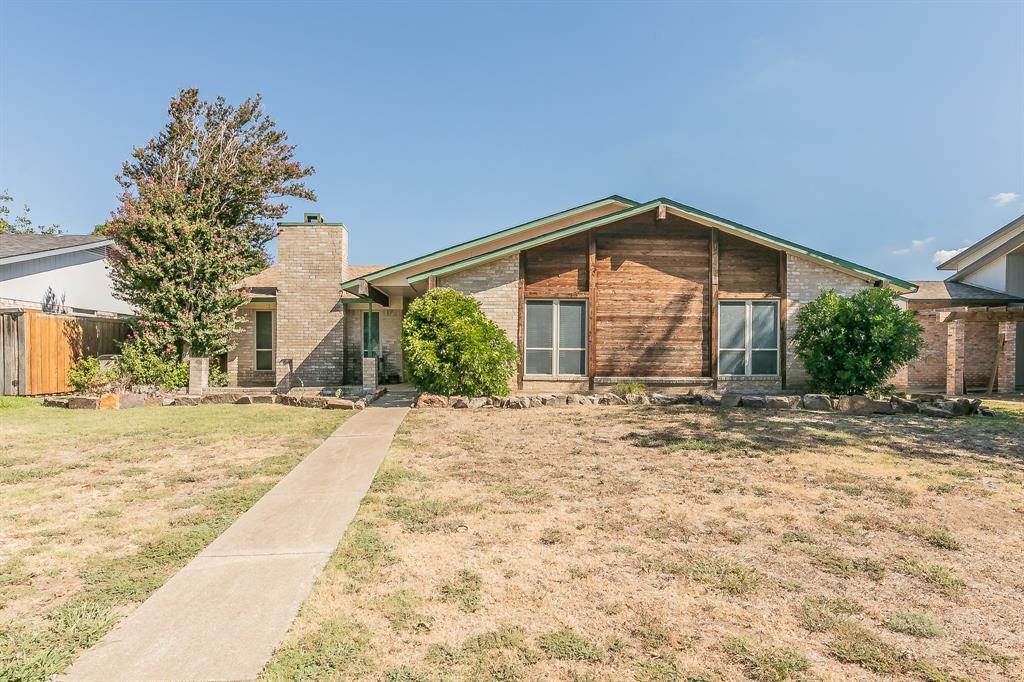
[1007, 381]
[955, 357]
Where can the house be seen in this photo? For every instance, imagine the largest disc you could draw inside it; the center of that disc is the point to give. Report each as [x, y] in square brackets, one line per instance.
[56, 303]
[611, 290]
[974, 319]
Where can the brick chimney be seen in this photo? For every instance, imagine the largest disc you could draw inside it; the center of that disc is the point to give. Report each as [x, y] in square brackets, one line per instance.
[312, 259]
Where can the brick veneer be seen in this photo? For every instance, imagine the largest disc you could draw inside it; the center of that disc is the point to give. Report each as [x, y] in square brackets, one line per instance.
[496, 286]
[955, 353]
[310, 329]
[242, 358]
[390, 342]
[805, 280]
[1007, 382]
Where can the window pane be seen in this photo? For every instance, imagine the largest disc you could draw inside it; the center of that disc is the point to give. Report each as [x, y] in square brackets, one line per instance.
[264, 329]
[572, 325]
[539, 332]
[733, 323]
[764, 333]
[764, 362]
[731, 362]
[264, 359]
[538, 362]
[571, 362]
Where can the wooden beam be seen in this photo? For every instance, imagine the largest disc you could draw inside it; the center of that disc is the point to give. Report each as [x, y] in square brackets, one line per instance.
[713, 317]
[591, 308]
[783, 307]
[366, 290]
[994, 377]
[662, 212]
[431, 282]
[521, 325]
[747, 295]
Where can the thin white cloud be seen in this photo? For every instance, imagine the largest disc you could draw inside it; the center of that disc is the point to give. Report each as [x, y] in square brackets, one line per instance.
[943, 255]
[915, 245]
[1005, 198]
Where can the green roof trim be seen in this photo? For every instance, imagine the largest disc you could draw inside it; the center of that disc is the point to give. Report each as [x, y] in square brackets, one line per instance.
[729, 225]
[390, 270]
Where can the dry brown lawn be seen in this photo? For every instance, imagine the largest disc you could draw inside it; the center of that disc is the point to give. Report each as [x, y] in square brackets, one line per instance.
[98, 509]
[604, 543]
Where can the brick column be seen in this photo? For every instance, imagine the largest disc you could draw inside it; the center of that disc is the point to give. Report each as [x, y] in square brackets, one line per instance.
[955, 357]
[198, 375]
[1007, 381]
[369, 374]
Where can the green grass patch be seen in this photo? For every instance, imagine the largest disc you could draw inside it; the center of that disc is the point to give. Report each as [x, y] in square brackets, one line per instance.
[523, 494]
[979, 651]
[858, 645]
[936, 537]
[401, 610]
[362, 552]
[463, 591]
[719, 573]
[624, 388]
[844, 566]
[338, 649]
[913, 623]
[425, 515]
[938, 576]
[567, 645]
[764, 662]
[387, 479]
[822, 615]
[550, 536]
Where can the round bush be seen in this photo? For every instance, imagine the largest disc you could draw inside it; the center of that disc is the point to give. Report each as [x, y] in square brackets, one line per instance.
[854, 345]
[451, 348]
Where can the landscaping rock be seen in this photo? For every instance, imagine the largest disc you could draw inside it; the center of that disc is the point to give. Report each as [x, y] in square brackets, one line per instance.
[556, 399]
[863, 405]
[636, 399]
[220, 398]
[339, 404]
[244, 400]
[55, 402]
[782, 402]
[711, 400]
[84, 402]
[264, 399]
[985, 412]
[756, 401]
[577, 399]
[731, 400]
[127, 401]
[904, 406]
[109, 401]
[460, 402]
[933, 410]
[819, 402]
[610, 399]
[431, 400]
[535, 401]
[188, 400]
[516, 403]
[477, 403]
[359, 405]
[662, 399]
[167, 402]
[689, 399]
[313, 401]
[289, 400]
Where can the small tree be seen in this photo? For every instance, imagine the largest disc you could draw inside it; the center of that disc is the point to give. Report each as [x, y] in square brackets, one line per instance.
[21, 224]
[853, 345]
[451, 348]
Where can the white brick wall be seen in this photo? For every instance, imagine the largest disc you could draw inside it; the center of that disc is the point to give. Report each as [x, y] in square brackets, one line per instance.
[805, 280]
[496, 286]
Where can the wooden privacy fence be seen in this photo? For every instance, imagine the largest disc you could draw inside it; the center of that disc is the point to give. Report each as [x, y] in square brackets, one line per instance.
[37, 349]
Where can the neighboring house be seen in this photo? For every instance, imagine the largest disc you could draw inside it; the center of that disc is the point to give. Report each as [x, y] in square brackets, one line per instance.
[612, 290]
[56, 304]
[58, 273]
[974, 320]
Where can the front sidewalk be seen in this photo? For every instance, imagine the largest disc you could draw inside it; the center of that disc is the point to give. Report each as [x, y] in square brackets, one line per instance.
[222, 615]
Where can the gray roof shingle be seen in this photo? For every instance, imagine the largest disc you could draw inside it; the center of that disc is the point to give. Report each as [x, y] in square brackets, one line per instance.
[25, 244]
[942, 290]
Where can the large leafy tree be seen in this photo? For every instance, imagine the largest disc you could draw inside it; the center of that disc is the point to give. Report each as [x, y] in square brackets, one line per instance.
[853, 345]
[21, 224]
[199, 204]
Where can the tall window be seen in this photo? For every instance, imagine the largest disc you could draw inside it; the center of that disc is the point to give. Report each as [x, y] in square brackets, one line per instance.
[556, 338]
[748, 338]
[264, 340]
[371, 334]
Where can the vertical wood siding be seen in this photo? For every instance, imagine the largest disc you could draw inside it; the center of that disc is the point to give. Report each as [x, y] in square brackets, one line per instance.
[747, 267]
[557, 269]
[54, 342]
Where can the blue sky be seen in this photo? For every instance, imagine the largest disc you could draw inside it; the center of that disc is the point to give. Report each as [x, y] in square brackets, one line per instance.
[878, 132]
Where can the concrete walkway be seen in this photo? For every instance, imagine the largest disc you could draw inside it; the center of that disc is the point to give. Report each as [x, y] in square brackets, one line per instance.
[222, 615]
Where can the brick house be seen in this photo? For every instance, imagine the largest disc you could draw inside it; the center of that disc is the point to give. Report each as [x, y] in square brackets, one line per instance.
[614, 289]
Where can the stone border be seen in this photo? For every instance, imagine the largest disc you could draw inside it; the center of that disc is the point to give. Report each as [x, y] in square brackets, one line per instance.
[121, 401]
[927, 405]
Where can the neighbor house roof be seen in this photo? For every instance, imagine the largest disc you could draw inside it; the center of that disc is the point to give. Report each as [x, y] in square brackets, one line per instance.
[1002, 249]
[979, 246]
[942, 291]
[633, 208]
[19, 247]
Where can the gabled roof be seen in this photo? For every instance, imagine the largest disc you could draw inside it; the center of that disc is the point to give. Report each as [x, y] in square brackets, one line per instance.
[633, 209]
[941, 291]
[982, 244]
[1006, 247]
[20, 247]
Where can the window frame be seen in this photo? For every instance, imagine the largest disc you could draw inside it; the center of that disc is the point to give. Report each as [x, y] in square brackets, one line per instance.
[371, 315]
[556, 347]
[748, 341]
[256, 341]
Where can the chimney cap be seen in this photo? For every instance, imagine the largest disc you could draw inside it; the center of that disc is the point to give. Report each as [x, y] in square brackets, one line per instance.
[312, 217]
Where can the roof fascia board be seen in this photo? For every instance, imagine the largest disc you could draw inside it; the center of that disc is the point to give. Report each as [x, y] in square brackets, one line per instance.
[1006, 247]
[55, 252]
[507, 232]
[691, 213]
[951, 264]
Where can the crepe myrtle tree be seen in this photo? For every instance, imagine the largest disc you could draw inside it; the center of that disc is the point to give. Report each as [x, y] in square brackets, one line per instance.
[854, 345]
[198, 207]
[450, 347]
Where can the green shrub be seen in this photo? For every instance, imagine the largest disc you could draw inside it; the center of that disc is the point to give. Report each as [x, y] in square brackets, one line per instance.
[451, 348]
[624, 388]
[142, 363]
[87, 375]
[217, 378]
[853, 345]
